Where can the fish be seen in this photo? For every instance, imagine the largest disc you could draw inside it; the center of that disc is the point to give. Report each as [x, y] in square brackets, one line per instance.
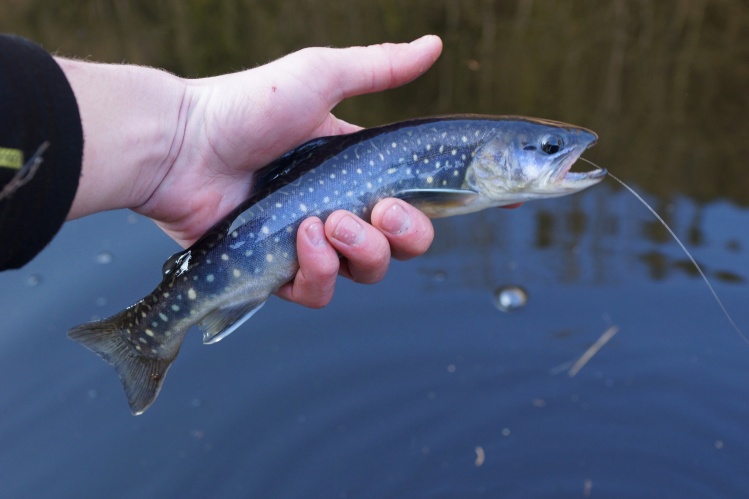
[444, 166]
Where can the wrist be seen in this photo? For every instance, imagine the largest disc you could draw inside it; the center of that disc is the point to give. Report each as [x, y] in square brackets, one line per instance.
[131, 128]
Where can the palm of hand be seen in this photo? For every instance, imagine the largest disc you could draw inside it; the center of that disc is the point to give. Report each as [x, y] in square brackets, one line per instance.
[235, 124]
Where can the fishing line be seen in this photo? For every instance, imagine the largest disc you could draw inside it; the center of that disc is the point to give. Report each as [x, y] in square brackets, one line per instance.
[686, 252]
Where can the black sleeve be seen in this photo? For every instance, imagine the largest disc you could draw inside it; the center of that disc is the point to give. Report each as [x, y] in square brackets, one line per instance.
[41, 149]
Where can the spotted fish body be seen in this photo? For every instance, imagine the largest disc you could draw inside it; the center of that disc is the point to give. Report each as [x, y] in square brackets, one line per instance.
[444, 166]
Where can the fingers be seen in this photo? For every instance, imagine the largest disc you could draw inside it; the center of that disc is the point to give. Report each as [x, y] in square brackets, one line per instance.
[365, 249]
[409, 231]
[375, 68]
[398, 230]
[314, 282]
[346, 72]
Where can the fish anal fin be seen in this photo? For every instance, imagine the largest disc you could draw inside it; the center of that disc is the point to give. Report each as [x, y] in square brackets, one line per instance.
[438, 202]
[141, 376]
[221, 322]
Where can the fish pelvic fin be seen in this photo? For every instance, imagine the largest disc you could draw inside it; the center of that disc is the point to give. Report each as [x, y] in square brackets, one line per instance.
[141, 376]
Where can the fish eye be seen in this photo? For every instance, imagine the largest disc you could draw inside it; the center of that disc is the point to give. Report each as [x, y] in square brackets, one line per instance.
[551, 144]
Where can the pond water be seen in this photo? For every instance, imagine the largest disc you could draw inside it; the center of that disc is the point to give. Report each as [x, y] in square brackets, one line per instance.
[420, 386]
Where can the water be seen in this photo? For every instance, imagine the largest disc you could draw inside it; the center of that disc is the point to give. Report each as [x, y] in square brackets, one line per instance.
[419, 386]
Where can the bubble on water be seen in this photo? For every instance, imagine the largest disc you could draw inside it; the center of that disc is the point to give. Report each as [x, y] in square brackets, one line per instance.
[439, 276]
[104, 257]
[101, 301]
[33, 280]
[508, 298]
[93, 393]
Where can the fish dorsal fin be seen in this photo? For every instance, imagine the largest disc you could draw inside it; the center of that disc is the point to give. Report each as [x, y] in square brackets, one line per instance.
[289, 166]
[221, 322]
[437, 202]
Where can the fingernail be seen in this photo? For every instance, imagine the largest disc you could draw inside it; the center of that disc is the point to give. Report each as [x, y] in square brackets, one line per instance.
[396, 220]
[315, 233]
[349, 231]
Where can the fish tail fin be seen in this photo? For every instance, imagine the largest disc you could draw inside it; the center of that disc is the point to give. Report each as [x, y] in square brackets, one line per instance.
[141, 376]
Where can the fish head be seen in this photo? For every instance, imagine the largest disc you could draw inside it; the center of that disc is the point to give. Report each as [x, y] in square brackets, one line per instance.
[528, 159]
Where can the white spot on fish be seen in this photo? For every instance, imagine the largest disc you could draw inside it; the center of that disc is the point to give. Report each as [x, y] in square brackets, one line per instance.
[268, 258]
[149, 333]
[209, 277]
[416, 157]
[163, 317]
[429, 147]
[390, 171]
[191, 294]
[175, 308]
[166, 294]
[303, 207]
[248, 253]
[430, 180]
[326, 199]
[234, 233]
[359, 171]
[332, 175]
[394, 145]
[279, 205]
[224, 257]
[454, 152]
[464, 139]
[265, 230]
[349, 194]
[236, 273]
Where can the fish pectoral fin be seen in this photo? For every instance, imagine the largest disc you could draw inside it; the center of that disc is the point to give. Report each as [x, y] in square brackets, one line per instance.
[437, 202]
[221, 322]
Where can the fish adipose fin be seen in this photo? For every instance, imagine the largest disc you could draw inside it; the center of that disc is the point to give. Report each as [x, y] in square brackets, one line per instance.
[221, 322]
[436, 202]
[141, 376]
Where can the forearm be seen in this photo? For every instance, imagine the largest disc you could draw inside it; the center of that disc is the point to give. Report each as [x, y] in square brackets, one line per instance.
[132, 128]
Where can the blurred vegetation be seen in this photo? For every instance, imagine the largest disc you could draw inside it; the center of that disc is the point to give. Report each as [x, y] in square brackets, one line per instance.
[664, 83]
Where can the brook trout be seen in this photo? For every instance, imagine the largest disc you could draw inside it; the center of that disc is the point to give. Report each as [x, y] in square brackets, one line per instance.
[444, 166]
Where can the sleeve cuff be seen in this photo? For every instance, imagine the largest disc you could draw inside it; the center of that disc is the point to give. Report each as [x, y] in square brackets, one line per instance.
[37, 182]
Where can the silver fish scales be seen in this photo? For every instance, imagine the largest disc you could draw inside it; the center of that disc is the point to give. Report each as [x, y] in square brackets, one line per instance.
[445, 166]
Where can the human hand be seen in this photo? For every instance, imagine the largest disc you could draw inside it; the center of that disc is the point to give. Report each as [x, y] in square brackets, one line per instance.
[235, 124]
[231, 125]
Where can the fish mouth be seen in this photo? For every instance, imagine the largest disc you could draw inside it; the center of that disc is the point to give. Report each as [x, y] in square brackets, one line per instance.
[571, 155]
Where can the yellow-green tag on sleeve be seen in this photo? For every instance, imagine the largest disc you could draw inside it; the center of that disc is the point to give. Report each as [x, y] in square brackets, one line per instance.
[11, 158]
